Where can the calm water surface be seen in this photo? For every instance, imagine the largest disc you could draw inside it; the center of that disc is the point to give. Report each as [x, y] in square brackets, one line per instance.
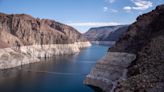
[57, 74]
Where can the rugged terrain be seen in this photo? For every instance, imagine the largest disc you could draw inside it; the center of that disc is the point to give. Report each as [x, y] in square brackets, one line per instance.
[105, 35]
[24, 38]
[23, 29]
[136, 62]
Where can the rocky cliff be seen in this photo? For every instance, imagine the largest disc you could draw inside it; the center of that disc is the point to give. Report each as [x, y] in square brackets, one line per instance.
[136, 62]
[105, 35]
[23, 39]
[23, 29]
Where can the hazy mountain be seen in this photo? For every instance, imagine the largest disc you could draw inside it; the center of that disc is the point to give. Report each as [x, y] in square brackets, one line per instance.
[107, 33]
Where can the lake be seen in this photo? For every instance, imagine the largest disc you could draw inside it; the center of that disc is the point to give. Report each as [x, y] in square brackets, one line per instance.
[57, 74]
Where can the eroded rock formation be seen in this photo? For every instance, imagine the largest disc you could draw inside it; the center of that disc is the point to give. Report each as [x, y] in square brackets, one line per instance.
[25, 30]
[23, 39]
[144, 42]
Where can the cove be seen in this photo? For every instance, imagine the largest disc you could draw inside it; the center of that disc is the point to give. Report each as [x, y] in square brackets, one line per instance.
[57, 74]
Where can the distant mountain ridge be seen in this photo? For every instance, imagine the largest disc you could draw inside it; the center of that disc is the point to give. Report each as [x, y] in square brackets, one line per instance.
[106, 33]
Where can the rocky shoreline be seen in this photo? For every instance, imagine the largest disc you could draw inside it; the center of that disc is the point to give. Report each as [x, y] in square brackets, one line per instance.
[109, 70]
[136, 62]
[25, 39]
[14, 56]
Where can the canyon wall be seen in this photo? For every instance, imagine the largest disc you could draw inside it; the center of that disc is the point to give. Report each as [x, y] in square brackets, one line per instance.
[12, 57]
[23, 30]
[136, 62]
[105, 35]
[24, 39]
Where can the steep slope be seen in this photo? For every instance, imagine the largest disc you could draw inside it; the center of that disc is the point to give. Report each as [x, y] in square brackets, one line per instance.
[116, 34]
[135, 63]
[98, 33]
[27, 30]
[23, 38]
[107, 33]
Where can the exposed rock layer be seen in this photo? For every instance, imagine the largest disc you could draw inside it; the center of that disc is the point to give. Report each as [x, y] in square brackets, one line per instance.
[23, 39]
[109, 70]
[12, 57]
[22, 29]
[145, 40]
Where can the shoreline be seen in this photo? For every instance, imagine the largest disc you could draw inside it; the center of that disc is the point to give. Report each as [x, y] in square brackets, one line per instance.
[10, 57]
[103, 42]
[109, 70]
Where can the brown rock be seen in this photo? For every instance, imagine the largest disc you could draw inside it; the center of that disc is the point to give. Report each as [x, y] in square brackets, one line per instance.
[142, 31]
[22, 29]
[145, 39]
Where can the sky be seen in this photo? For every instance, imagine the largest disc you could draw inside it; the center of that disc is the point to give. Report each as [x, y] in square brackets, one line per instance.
[82, 14]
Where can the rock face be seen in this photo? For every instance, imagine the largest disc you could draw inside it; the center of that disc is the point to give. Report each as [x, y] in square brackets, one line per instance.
[11, 57]
[23, 39]
[143, 62]
[110, 70]
[25, 30]
[105, 35]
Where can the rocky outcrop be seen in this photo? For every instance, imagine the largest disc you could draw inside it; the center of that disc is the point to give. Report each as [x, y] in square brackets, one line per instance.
[146, 74]
[23, 29]
[12, 57]
[142, 65]
[109, 70]
[106, 34]
[53, 49]
[23, 39]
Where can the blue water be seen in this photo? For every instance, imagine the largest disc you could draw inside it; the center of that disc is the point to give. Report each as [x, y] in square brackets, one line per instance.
[57, 74]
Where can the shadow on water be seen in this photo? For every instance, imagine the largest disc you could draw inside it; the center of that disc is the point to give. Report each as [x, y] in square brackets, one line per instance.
[57, 74]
